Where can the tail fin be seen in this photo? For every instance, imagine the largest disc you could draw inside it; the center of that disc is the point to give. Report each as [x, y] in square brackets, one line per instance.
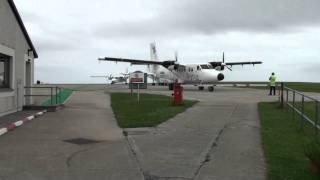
[153, 52]
[153, 57]
[176, 56]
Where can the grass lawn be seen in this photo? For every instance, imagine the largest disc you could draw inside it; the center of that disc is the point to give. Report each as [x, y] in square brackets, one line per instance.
[303, 86]
[151, 111]
[283, 144]
[64, 95]
[309, 109]
[299, 86]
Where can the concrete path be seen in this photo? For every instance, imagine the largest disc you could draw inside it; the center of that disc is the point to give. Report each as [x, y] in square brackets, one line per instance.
[39, 151]
[219, 138]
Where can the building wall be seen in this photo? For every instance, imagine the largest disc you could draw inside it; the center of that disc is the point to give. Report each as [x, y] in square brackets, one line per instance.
[13, 41]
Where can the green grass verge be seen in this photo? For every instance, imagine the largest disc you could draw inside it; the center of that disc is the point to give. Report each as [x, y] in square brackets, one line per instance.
[151, 111]
[62, 97]
[309, 109]
[303, 86]
[299, 86]
[283, 144]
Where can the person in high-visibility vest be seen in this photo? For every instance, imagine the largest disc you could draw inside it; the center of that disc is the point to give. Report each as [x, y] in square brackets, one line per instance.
[272, 81]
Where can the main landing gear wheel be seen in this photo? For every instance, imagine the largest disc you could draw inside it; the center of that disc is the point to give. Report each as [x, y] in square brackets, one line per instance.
[201, 88]
[211, 88]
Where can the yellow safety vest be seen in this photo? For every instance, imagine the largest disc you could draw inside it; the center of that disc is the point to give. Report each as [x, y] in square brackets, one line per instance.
[273, 80]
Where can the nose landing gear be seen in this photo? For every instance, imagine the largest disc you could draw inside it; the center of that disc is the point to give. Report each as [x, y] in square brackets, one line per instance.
[210, 88]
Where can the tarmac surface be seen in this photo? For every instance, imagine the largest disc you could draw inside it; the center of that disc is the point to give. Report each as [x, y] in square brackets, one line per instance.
[39, 151]
[218, 138]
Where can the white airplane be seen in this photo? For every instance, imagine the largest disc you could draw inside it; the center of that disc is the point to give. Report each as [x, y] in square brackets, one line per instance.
[196, 74]
[119, 79]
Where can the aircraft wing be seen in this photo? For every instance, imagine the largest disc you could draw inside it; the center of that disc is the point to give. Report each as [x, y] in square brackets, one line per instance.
[132, 61]
[243, 63]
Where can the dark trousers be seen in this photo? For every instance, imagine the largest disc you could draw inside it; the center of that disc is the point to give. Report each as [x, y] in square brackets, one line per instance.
[272, 89]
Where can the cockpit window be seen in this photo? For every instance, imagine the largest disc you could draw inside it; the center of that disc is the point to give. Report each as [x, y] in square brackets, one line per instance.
[206, 66]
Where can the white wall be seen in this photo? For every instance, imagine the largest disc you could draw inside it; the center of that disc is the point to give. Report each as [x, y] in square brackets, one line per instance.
[13, 44]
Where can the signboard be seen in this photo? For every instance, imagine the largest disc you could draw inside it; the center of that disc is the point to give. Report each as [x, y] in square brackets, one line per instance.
[136, 78]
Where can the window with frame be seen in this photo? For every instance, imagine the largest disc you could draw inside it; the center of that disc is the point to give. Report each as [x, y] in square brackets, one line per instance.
[4, 71]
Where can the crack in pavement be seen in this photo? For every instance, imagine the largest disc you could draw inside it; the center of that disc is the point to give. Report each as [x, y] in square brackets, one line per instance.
[69, 159]
[213, 144]
[134, 155]
[146, 175]
[92, 146]
[153, 177]
[206, 155]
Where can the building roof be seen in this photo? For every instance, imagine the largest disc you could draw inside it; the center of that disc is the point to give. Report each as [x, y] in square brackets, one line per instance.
[23, 28]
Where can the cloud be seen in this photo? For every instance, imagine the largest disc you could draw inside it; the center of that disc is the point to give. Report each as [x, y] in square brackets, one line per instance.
[73, 35]
[215, 16]
[311, 68]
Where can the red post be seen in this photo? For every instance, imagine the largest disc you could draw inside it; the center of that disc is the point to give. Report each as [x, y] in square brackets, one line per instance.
[177, 94]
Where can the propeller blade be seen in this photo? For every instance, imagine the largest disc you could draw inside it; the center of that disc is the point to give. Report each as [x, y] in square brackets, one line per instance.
[223, 57]
[229, 68]
[176, 55]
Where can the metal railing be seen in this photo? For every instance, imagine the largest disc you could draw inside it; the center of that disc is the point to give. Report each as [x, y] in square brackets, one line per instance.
[53, 90]
[306, 107]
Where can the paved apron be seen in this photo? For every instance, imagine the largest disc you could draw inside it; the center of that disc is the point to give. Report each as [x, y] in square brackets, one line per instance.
[37, 151]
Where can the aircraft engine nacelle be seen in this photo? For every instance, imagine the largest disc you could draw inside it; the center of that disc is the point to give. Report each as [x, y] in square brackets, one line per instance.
[167, 64]
[219, 66]
[173, 67]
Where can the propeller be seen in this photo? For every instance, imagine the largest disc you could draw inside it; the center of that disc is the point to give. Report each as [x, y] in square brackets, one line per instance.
[223, 58]
[176, 56]
[223, 64]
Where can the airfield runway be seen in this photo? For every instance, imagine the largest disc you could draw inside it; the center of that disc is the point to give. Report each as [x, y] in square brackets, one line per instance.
[218, 138]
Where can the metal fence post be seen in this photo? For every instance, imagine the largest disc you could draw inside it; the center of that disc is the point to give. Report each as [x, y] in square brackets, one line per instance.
[56, 95]
[287, 96]
[302, 112]
[281, 94]
[51, 95]
[317, 117]
[293, 103]
[59, 92]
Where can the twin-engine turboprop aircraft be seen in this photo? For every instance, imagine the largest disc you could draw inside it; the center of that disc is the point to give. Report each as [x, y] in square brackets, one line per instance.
[115, 79]
[196, 74]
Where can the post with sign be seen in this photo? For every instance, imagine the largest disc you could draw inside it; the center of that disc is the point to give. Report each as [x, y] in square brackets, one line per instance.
[137, 78]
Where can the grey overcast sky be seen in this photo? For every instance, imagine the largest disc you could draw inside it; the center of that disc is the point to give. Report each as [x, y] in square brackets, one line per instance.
[71, 34]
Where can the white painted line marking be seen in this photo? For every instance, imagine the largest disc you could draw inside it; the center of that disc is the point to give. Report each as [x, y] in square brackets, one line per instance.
[18, 123]
[30, 118]
[3, 131]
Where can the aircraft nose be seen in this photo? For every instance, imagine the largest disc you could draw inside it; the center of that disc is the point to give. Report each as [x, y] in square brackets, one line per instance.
[220, 77]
